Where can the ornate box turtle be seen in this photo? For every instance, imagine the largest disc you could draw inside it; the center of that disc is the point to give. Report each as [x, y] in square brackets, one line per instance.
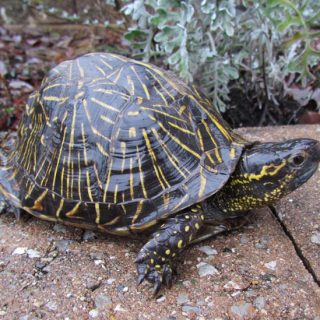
[121, 146]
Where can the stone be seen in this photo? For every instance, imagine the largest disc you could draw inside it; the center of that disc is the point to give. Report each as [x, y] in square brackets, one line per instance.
[182, 299]
[315, 238]
[102, 301]
[244, 239]
[118, 308]
[19, 251]
[122, 288]
[259, 302]
[231, 285]
[208, 250]
[32, 254]
[191, 310]
[242, 310]
[205, 269]
[63, 245]
[51, 305]
[110, 281]
[263, 243]
[89, 235]
[161, 299]
[271, 265]
[60, 228]
[94, 313]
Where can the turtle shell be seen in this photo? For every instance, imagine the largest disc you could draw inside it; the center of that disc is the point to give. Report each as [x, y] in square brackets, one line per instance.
[116, 144]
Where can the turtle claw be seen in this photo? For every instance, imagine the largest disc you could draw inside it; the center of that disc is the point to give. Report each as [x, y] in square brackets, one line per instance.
[158, 275]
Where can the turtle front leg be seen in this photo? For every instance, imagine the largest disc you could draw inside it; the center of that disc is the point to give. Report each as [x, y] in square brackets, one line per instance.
[154, 261]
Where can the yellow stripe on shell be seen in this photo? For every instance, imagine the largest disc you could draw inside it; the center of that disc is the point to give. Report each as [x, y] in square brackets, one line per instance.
[185, 147]
[98, 215]
[153, 158]
[144, 87]
[163, 113]
[58, 160]
[79, 177]
[38, 202]
[180, 128]
[74, 210]
[164, 147]
[103, 104]
[58, 212]
[138, 211]
[89, 186]
[144, 190]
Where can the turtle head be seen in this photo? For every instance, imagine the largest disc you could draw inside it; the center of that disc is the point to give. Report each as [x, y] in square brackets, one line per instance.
[268, 171]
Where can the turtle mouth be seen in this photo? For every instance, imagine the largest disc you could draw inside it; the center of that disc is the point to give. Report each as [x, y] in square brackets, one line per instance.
[304, 177]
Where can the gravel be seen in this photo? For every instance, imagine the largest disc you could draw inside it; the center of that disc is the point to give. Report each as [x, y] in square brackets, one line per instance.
[63, 245]
[208, 250]
[205, 269]
[19, 251]
[32, 254]
[259, 302]
[89, 235]
[60, 228]
[315, 238]
[182, 299]
[191, 309]
[242, 310]
[272, 265]
[102, 301]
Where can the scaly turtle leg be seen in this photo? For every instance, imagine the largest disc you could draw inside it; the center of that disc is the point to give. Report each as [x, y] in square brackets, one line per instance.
[154, 261]
[6, 207]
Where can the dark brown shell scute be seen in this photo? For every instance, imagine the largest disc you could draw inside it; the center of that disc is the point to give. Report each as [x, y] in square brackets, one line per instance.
[116, 144]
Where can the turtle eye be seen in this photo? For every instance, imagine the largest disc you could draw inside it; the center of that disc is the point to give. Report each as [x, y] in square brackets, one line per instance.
[297, 160]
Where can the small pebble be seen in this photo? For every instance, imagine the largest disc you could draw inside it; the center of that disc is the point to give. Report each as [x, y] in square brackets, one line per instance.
[208, 250]
[94, 313]
[33, 254]
[60, 228]
[119, 308]
[161, 299]
[101, 301]
[51, 305]
[63, 245]
[122, 288]
[205, 269]
[261, 245]
[110, 281]
[259, 302]
[271, 265]
[19, 251]
[92, 284]
[89, 235]
[97, 255]
[182, 299]
[191, 309]
[315, 238]
[231, 285]
[244, 239]
[242, 310]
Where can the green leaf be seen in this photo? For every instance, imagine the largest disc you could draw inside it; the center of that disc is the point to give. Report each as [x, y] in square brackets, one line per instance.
[133, 34]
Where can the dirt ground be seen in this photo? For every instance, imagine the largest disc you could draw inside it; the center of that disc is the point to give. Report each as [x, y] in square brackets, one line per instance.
[269, 269]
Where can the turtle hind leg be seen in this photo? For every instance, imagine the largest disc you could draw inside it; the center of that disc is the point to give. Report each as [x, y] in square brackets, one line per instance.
[154, 261]
[6, 207]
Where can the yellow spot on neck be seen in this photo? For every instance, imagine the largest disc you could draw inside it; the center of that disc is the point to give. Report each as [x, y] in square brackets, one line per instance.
[180, 244]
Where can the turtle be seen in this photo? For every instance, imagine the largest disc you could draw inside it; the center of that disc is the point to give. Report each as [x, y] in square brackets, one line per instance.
[121, 146]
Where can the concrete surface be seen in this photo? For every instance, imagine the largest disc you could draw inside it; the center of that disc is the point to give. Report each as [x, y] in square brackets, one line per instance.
[268, 269]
